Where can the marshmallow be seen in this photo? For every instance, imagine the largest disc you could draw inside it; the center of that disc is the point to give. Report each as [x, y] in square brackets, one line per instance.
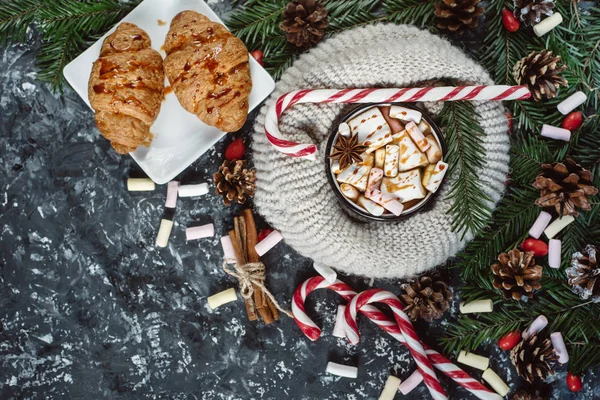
[162, 239]
[372, 129]
[554, 132]
[371, 207]
[495, 382]
[558, 225]
[412, 382]
[473, 360]
[540, 224]
[554, 253]
[427, 174]
[268, 243]
[433, 153]
[346, 371]
[140, 184]
[417, 136]
[368, 159]
[386, 201]
[547, 24]
[559, 347]
[571, 102]
[326, 272]
[224, 297]
[172, 194]
[410, 156]
[390, 389]
[380, 158]
[338, 328]
[199, 232]
[477, 306]
[536, 326]
[404, 187]
[228, 251]
[355, 175]
[344, 130]
[437, 176]
[405, 114]
[193, 190]
[425, 127]
[375, 177]
[349, 192]
[391, 160]
[335, 167]
[395, 125]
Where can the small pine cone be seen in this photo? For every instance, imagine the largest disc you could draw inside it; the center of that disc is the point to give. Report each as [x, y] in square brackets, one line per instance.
[540, 72]
[584, 274]
[531, 11]
[304, 22]
[457, 16]
[565, 186]
[426, 298]
[516, 274]
[235, 182]
[533, 358]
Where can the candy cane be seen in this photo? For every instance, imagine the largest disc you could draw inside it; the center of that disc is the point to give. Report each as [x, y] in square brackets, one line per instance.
[402, 95]
[312, 331]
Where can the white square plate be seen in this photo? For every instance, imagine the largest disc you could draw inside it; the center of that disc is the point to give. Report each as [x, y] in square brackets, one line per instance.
[179, 136]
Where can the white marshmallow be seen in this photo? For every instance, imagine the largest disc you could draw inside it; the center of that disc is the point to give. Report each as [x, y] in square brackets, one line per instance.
[326, 272]
[199, 232]
[425, 127]
[437, 176]
[355, 175]
[540, 224]
[171, 201]
[391, 160]
[554, 132]
[554, 253]
[164, 231]
[477, 306]
[571, 102]
[344, 130]
[495, 382]
[473, 360]
[224, 297]
[380, 158]
[558, 225]
[404, 187]
[346, 371]
[335, 167]
[193, 190]
[427, 174]
[371, 207]
[140, 184]
[338, 328]
[349, 191]
[417, 136]
[390, 389]
[434, 153]
[405, 114]
[547, 24]
[372, 129]
[268, 243]
[375, 177]
[386, 201]
[410, 156]
[368, 159]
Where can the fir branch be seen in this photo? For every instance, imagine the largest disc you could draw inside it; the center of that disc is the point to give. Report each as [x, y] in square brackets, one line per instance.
[15, 18]
[416, 12]
[470, 210]
[257, 21]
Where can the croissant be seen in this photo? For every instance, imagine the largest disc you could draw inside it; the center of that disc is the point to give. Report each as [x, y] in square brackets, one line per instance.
[208, 70]
[126, 88]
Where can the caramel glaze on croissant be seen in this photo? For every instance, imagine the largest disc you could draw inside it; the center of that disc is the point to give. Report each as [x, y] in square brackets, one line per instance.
[208, 70]
[126, 88]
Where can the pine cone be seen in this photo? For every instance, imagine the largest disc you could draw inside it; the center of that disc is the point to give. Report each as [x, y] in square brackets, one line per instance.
[525, 395]
[531, 11]
[541, 73]
[516, 274]
[235, 181]
[304, 22]
[533, 358]
[426, 298]
[584, 273]
[566, 186]
[457, 16]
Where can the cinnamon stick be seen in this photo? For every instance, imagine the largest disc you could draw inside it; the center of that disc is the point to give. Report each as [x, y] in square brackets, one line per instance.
[240, 256]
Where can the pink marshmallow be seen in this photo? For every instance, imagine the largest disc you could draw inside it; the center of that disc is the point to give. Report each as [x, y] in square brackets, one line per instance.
[172, 194]
[268, 243]
[411, 382]
[559, 347]
[375, 178]
[228, 252]
[554, 132]
[540, 225]
[417, 136]
[199, 232]
[554, 250]
[537, 325]
[385, 200]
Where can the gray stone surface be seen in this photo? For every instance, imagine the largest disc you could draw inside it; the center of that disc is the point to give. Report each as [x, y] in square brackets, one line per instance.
[90, 309]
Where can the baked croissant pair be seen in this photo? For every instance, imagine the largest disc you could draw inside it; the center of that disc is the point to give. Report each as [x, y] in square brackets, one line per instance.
[206, 65]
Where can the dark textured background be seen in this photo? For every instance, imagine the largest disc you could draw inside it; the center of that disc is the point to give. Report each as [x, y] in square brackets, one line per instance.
[90, 309]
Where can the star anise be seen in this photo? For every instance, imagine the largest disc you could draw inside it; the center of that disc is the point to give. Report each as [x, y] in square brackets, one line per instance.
[347, 150]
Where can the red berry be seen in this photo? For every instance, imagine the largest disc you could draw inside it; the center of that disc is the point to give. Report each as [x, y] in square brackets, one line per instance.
[572, 121]
[511, 23]
[258, 56]
[574, 382]
[510, 340]
[235, 150]
[510, 121]
[539, 248]
[264, 233]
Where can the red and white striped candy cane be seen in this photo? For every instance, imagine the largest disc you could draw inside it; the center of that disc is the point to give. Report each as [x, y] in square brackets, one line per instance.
[406, 329]
[399, 95]
[312, 331]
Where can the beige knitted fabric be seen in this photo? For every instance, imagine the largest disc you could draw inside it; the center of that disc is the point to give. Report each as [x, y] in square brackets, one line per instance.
[294, 195]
